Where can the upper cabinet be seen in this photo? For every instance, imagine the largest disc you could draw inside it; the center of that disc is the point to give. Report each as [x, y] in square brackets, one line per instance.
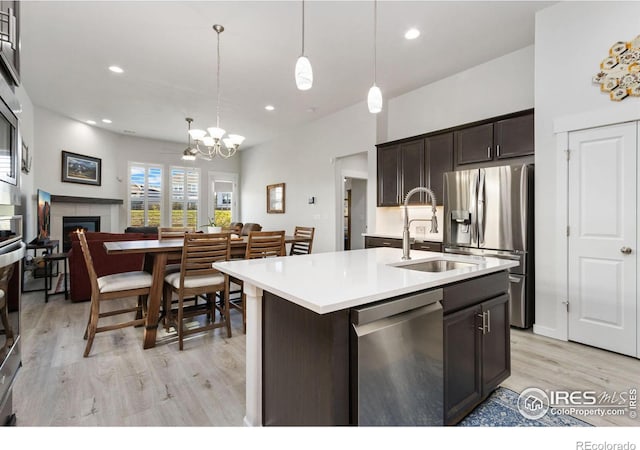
[419, 162]
[507, 138]
[10, 40]
[423, 160]
[388, 170]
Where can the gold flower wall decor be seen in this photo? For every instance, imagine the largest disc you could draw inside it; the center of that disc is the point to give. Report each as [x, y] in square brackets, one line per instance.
[620, 72]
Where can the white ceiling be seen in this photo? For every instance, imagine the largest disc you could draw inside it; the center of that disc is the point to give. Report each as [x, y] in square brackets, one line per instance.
[167, 50]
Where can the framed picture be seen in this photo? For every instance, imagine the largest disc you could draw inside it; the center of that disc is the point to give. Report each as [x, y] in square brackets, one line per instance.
[275, 198]
[81, 169]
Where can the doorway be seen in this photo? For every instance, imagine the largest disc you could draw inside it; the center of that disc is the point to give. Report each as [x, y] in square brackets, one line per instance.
[602, 237]
[355, 215]
[223, 198]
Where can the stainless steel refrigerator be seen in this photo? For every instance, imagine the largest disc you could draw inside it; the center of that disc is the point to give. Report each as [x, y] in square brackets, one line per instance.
[489, 212]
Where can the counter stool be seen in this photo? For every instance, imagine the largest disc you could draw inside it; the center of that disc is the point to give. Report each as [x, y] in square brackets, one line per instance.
[49, 259]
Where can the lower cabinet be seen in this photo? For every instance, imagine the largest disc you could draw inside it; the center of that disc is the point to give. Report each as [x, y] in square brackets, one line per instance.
[430, 246]
[476, 355]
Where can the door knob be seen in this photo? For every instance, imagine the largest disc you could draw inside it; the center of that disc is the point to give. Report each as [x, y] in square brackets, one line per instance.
[626, 250]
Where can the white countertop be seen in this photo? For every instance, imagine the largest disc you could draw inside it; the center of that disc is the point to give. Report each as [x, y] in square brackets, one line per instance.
[327, 282]
[414, 237]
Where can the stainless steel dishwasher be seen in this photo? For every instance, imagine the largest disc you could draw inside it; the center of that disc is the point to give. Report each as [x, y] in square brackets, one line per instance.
[397, 363]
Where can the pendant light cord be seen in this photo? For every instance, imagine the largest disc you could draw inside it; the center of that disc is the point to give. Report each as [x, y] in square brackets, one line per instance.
[302, 27]
[375, 35]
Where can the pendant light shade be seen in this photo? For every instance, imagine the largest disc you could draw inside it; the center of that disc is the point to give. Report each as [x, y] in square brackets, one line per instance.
[374, 99]
[304, 73]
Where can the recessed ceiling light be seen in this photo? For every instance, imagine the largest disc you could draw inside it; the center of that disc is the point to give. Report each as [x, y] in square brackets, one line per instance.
[269, 107]
[116, 69]
[91, 122]
[106, 120]
[412, 33]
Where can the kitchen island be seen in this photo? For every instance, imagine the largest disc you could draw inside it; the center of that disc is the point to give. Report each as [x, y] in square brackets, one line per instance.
[300, 359]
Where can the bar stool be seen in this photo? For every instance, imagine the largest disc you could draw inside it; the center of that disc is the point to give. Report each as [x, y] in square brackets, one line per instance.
[49, 259]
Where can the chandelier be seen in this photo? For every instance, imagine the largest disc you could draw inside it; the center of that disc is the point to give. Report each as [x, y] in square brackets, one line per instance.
[207, 146]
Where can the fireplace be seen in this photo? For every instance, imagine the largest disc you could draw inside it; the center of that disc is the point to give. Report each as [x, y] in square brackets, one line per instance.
[73, 223]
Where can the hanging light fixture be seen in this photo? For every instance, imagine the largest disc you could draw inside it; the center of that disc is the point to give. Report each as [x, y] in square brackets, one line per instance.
[303, 71]
[212, 142]
[374, 99]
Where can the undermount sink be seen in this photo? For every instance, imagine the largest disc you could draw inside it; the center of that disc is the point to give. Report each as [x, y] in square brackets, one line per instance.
[438, 265]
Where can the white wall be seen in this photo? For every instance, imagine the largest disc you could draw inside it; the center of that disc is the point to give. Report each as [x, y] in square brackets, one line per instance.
[54, 133]
[572, 38]
[500, 86]
[27, 192]
[304, 160]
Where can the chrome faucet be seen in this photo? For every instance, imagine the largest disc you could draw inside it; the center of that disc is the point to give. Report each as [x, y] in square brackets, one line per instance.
[406, 239]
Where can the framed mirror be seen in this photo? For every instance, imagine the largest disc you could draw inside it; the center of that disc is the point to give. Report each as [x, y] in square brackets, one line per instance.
[275, 198]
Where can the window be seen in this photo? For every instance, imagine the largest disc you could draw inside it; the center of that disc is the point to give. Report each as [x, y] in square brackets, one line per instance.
[185, 189]
[145, 195]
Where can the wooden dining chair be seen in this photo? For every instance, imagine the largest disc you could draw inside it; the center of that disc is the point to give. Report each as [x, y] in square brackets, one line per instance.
[111, 287]
[165, 233]
[261, 244]
[302, 248]
[197, 277]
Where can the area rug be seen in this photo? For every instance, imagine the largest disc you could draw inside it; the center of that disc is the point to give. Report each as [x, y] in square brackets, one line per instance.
[501, 410]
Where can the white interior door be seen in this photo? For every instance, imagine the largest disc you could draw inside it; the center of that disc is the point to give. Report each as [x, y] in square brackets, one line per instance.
[602, 239]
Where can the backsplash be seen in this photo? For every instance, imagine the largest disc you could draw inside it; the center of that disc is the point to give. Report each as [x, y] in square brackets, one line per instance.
[390, 220]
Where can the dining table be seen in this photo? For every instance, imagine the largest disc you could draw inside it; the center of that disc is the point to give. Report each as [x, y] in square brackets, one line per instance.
[157, 253]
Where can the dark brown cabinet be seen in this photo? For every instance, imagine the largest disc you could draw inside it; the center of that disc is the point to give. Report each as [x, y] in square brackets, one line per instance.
[514, 137]
[412, 170]
[388, 169]
[438, 161]
[372, 241]
[507, 138]
[476, 355]
[10, 40]
[474, 144]
[420, 162]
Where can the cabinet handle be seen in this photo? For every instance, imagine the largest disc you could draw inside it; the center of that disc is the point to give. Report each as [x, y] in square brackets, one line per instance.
[489, 152]
[488, 321]
[483, 328]
[386, 243]
[498, 149]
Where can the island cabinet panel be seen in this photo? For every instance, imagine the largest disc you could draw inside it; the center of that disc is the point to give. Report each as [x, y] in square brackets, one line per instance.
[477, 354]
[462, 350]
[305, 378]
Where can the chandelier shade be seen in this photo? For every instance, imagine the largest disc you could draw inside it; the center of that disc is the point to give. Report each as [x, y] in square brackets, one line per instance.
[374, 99]
[207, 146]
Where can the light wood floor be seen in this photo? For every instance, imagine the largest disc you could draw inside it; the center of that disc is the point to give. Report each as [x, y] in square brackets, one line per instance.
[121, 384]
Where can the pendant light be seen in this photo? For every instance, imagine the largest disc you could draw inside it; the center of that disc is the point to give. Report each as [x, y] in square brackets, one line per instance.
[374, 99]
[303, 71]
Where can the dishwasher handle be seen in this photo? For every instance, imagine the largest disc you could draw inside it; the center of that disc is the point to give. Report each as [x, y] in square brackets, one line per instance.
[366, 329]
[392, 307]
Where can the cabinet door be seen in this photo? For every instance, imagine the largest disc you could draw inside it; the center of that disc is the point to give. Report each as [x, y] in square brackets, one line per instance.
[412, 172]
[428, 246]
[474, 144]
[513, 137]
[439, 159]
[462, 351]
[371, 242]
[388, 170]
[496, 353]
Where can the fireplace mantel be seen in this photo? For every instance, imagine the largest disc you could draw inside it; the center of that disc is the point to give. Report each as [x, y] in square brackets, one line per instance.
[95, 201]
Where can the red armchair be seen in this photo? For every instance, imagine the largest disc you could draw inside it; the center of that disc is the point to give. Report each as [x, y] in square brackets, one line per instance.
[80, 286]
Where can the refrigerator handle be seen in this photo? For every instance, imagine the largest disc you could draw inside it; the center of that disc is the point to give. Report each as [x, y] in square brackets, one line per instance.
[473, 209]
[481, 208]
